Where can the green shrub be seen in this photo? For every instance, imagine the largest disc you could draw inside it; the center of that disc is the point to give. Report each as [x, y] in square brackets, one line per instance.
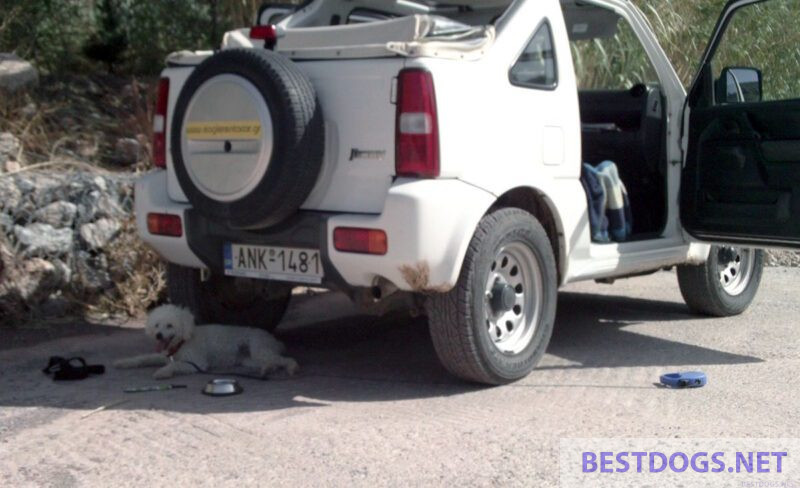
[55, 33]
[156, 28]
[49, 32]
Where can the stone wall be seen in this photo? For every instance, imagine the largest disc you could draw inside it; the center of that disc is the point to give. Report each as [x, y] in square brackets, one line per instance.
[57, 234]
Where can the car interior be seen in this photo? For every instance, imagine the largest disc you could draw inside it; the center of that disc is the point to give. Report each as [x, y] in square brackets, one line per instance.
[622, 110]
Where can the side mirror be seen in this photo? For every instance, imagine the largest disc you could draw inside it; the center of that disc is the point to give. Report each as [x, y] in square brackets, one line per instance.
[739, 85]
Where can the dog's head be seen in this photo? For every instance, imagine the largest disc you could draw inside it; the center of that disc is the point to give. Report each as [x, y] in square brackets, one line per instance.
[168, 325]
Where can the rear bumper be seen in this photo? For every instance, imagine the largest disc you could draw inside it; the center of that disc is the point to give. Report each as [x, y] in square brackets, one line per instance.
[428, 224]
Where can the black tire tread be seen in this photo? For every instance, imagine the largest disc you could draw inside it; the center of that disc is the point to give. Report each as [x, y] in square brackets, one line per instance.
[454, 342]
[703, 293]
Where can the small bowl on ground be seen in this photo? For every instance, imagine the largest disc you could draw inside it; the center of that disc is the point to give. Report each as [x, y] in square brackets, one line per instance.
[222, 387]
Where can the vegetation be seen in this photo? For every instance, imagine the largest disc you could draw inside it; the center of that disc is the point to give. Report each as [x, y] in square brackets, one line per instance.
[133, 36]
[684, 29]
[79, 36]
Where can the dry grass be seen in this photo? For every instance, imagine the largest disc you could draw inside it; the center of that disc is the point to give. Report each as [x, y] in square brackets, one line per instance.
[80, 118]
[74, 125]
[138, 274]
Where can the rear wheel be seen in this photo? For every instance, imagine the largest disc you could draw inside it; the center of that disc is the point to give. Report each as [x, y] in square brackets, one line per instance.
[227, 300]
[494, 326]
[725, 284]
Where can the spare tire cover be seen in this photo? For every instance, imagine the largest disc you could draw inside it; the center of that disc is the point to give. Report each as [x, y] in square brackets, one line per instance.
[247, 138]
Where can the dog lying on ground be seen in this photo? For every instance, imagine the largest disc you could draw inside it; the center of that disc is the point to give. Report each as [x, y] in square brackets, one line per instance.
[186, 348]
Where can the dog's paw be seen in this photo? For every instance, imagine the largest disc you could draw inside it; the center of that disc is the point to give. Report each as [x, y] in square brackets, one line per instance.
[292, 367]
[280, 368]
[163, 374]
[124, 364]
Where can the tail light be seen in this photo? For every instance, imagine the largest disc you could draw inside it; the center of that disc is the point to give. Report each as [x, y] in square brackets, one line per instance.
[160, 124]
[268, 33]
[164, 225]
[417, 145]
[361, 241]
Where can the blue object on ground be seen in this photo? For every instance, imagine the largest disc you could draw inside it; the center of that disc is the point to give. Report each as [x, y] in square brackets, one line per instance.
[693, 379]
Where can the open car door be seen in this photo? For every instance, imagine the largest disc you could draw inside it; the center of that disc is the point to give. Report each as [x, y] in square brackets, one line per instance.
[741, 177]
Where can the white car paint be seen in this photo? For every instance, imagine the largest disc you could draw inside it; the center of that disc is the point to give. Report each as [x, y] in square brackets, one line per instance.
[494, 137]
[152, 197]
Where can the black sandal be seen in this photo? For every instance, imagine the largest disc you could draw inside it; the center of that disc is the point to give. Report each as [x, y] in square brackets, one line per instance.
[71, 369]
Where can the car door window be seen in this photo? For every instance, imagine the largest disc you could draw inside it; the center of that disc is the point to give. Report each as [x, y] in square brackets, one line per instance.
[536, 66]
[616, 61]
[761, 40]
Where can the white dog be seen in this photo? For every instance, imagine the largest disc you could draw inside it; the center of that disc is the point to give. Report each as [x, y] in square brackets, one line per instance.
[185, 348]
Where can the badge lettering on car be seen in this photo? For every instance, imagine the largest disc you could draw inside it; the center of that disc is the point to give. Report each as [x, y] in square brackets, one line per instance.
[361, 154]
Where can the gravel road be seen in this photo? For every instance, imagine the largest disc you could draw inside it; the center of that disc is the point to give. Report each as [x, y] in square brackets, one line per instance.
[372, 407]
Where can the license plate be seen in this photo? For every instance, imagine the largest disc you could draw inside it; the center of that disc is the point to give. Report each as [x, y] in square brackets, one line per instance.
[273, 263]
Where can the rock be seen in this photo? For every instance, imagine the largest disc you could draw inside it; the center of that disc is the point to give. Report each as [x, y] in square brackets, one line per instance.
[64, 269]
[16, 74]
[43, 239]
[92, 274]
[29, 110]
[10, 196]
[100, 183]
[37, 279]
[9, 147]
[58, 214]
[6, 222]
[98, 234]
[39, 190]
[783, 258]
[97, 205]
[127, 152]
[55, 306]
[37, 183]
[6, 261]
[24, 183]
[87, 149]
[12, 166]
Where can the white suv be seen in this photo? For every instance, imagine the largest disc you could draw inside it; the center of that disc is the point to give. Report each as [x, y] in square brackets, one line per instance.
[433, 150]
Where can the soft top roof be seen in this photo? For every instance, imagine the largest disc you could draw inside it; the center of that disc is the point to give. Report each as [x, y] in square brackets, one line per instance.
[433, 3]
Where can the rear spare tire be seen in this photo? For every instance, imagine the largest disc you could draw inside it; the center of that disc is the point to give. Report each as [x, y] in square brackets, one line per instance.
[247, 138]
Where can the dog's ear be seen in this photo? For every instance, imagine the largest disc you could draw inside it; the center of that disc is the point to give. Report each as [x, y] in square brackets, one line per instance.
[154, 305]
[187, 323]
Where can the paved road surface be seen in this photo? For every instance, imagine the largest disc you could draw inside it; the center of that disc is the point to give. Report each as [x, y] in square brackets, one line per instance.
[373, 407]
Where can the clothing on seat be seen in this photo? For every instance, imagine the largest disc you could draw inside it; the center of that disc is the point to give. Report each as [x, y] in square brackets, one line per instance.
[596, 196]
[610, 216]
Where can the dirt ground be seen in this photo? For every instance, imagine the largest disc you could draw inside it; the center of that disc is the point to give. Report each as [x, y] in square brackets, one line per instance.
[372, 406]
